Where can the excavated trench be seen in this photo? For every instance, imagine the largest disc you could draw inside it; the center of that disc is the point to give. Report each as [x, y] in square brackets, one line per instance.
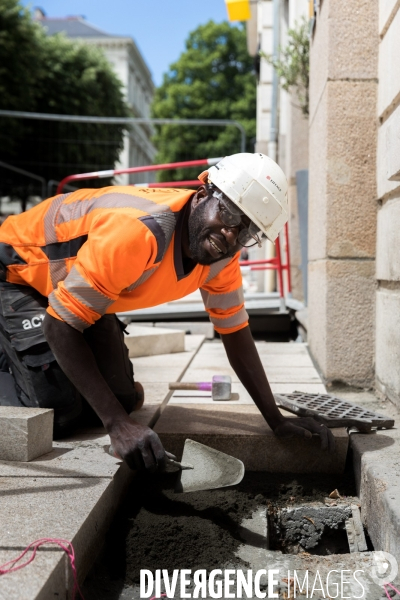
[159, 529]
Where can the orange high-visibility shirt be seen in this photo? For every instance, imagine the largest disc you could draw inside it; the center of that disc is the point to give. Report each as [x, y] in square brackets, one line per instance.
[115, 249]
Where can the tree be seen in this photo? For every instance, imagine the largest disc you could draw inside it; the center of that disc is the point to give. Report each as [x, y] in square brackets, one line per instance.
[293, 66]
[212, 79]
[54, 75]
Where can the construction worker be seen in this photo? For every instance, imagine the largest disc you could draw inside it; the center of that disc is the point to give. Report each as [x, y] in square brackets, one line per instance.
[70, 263]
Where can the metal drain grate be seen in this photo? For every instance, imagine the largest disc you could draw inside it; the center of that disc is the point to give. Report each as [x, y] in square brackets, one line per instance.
[332, 411]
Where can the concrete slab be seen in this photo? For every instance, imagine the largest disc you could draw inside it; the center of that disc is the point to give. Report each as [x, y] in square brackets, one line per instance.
[241, 396]
[147, 341]
[72, 492]
[43, 579]
[282, 348]
[275, 374]
[161, 369]
[149, 374]
[288, 388]
[191, 327]
[241, 431]
[269, 361]
[84, 458]
[25, 432]
[78, 509]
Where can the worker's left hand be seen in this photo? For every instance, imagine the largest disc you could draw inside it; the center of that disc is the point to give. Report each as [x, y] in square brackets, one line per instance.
[306, 427]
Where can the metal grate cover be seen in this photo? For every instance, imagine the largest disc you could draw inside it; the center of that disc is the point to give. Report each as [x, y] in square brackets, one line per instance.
[332, 411]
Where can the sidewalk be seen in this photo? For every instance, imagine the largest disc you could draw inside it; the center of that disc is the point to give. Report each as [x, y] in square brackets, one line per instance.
[74, 491]
[71, 493]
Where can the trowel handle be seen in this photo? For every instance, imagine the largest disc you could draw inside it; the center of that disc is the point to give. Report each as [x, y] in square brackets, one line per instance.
[170, 461]
[176, 463]
[203, 386]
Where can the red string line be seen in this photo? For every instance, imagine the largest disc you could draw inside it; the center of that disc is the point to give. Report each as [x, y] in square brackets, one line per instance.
[393, 588]
[12, 565]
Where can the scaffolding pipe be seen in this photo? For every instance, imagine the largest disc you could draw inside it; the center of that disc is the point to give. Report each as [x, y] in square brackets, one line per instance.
[128, 121]
[203, 162]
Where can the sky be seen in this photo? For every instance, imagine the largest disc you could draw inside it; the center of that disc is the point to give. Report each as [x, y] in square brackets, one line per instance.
[159, 27]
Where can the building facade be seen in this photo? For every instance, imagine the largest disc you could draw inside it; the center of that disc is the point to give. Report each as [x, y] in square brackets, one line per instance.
[285, 136]
[131, 69]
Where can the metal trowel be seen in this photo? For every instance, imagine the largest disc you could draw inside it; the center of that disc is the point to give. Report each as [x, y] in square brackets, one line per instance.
[203, 468]
[211, 469]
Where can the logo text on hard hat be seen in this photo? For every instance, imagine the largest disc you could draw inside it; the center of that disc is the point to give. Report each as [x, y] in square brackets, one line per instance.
[274, 182]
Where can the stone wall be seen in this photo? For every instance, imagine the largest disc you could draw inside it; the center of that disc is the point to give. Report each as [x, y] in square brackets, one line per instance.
[296, 159]
[342, 190]
[388, 170]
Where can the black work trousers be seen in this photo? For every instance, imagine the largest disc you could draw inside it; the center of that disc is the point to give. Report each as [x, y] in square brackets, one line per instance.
[37, 379]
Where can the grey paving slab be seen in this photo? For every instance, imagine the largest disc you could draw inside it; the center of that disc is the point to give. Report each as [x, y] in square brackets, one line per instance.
[43, 579]
[72, 492]
[241, 431]
[162, 360]
[168, 367]
[241, 396]
[78, 509]
[192, 342]
[282, 348]
[287, 388]
[146, 341]
[161, 374]
[25, 432]
[77, 458]
[274, 374]
[270, 360]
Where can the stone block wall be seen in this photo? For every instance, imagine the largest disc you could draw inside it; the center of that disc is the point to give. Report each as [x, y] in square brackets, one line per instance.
[388, 224]
[343, 190]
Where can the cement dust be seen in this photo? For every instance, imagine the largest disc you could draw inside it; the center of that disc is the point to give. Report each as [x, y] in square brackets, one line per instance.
[158, 529]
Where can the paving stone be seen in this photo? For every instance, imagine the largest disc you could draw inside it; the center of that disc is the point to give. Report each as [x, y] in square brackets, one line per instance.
[150, 374]
[179, 359]
[241, 396]
[194, 327]
[78, 458]
[307, 388]
[146, 341]
[192, 342]
[43, 579]
[282, 348]
[275, 374]
[25, 432]
[241, 431]
[271, 360]
[78, 509]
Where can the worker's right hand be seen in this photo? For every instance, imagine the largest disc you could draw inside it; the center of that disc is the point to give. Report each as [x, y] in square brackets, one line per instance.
[139, 446]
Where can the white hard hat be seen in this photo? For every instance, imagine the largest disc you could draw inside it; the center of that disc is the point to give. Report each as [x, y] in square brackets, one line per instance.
[257, 185]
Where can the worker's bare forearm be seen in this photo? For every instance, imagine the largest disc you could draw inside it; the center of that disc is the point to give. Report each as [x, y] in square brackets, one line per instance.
[76, 359]
[244, 359]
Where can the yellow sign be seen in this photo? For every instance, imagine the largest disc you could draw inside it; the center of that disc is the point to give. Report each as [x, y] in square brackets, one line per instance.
[238, 10]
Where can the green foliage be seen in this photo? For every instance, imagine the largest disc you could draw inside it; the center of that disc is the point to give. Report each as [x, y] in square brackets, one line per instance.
[212, 79]
[54, 75]
[293, 66]
[20, 56]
